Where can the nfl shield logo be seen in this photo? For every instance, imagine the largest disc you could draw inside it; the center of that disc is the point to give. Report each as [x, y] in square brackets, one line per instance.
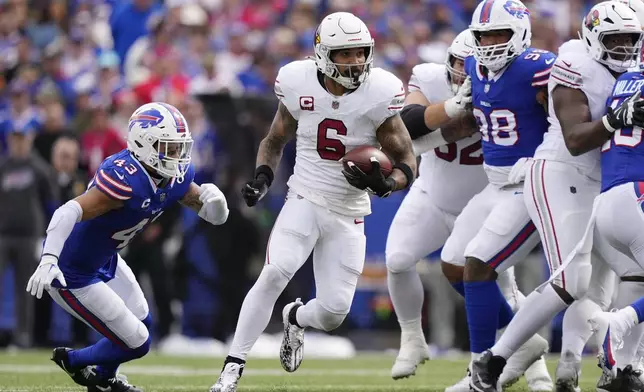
[487, 88]
[162, 197]
[335, 104]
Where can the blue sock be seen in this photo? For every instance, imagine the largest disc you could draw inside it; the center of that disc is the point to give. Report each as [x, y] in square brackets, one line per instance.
[459, 287]
[483, 303]
[109, 355]
[639, 309]
[109, 371]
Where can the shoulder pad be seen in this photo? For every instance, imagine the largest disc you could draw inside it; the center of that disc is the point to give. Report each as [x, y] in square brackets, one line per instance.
[289, 78]
[423, 75]
[568, 71]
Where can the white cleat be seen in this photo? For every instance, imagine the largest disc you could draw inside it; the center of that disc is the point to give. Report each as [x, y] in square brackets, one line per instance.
[228, 378]
[462, 386]
[292, 349]
[567, 373]
[413, 352]
[520, 361]
[538, 378]
[610, 337]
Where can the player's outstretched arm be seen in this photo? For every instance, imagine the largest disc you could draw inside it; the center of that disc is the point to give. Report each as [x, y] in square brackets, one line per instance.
[395, 141]
[208, 201]
[282, 130]
[90, 204]
[580, 133]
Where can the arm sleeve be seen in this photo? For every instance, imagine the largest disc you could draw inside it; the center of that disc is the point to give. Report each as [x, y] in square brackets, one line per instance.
[61, 226]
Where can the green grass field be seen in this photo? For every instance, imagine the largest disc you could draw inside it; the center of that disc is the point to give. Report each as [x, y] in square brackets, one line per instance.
[33, 371]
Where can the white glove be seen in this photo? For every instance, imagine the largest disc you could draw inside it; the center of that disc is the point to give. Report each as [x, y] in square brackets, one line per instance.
[519, 170]
[45, 274]
[215, 208]
[455, 106]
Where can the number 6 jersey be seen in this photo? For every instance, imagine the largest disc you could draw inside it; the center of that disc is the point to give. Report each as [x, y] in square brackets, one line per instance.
[89, 254]
[329, 127]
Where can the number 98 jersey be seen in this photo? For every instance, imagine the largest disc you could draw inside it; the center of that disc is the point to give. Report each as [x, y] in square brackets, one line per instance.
[329, 127]
[90, 252]
[511, 121]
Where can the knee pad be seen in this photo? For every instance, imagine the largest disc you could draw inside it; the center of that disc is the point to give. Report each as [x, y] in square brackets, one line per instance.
[578, 279]
[329, 320]
[398, 262]
[142, 349]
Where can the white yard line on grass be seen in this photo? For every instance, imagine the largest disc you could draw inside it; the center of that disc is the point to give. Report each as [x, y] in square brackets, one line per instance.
[175, 371]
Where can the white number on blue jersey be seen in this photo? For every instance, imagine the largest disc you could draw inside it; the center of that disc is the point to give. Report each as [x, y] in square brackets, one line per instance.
[500, 128]
[128, 234]
[623, 138]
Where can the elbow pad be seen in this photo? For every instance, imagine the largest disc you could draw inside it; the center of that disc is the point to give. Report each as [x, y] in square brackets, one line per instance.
[61, 226]
[414, 118]
[428, 142]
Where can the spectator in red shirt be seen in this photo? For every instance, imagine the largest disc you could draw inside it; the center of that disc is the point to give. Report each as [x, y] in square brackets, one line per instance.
[100, 140]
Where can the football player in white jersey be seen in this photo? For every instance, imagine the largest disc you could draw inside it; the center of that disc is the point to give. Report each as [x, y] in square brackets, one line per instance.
[450, 174]
[332, 103]
[562, 180]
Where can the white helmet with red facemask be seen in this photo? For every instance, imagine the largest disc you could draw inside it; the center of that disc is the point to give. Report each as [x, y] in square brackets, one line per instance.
[159, 137]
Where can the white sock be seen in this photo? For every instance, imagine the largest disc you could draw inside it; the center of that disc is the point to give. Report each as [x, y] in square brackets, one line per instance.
[406, 291]
[256, 310]
[627, 293]
[537, 309]
[576, 329]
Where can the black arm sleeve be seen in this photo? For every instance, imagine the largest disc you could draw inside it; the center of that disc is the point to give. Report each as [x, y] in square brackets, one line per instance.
[414, 118]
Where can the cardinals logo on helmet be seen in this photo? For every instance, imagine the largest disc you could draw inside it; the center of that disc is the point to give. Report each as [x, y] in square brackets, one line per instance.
[592, 20]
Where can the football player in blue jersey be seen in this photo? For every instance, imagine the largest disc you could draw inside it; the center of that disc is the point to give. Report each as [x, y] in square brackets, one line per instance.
[494, 231]
[80, 266]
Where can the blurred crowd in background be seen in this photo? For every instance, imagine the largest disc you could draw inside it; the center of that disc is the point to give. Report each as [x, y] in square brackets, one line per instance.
[73, 71]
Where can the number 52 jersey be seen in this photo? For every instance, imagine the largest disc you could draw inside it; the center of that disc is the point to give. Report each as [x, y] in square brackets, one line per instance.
[329, 127]
[90, 252]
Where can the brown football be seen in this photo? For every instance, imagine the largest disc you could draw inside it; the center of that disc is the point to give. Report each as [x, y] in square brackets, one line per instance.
[361, 157]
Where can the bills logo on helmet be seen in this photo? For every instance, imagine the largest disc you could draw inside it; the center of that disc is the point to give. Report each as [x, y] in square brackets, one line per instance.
[146, 119]
[592, 19]
[516, 9]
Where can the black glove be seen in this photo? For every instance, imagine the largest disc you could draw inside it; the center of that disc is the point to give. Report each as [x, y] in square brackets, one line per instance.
[373, 182]
[629, 113]
[253, 191]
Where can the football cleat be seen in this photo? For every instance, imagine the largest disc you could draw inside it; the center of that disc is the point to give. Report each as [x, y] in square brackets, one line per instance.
[82, 375]
[610, 337]
[292, 349]
[115, 384]
[530, 352]
[627, 380]
[538, 378]
[413, 352]
[486, 372]
[229, 377]
[567, 373]
[463, 385]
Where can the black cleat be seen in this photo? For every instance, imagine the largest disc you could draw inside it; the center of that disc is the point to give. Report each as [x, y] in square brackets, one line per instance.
[627, 380]
[115, 384]
[82, 375]
[486, 372]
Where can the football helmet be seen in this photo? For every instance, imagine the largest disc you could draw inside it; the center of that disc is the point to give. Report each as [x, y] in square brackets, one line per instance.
[638, 7]
[491, 15]
[460, 48]
[342, 30]
[611, 18]
[159, 137]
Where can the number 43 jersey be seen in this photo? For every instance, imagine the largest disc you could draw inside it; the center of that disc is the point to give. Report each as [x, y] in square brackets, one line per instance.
[329, 127]
[90, 252]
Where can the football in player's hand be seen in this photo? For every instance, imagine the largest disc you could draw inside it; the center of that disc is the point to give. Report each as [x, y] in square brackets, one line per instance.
[361, 157]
